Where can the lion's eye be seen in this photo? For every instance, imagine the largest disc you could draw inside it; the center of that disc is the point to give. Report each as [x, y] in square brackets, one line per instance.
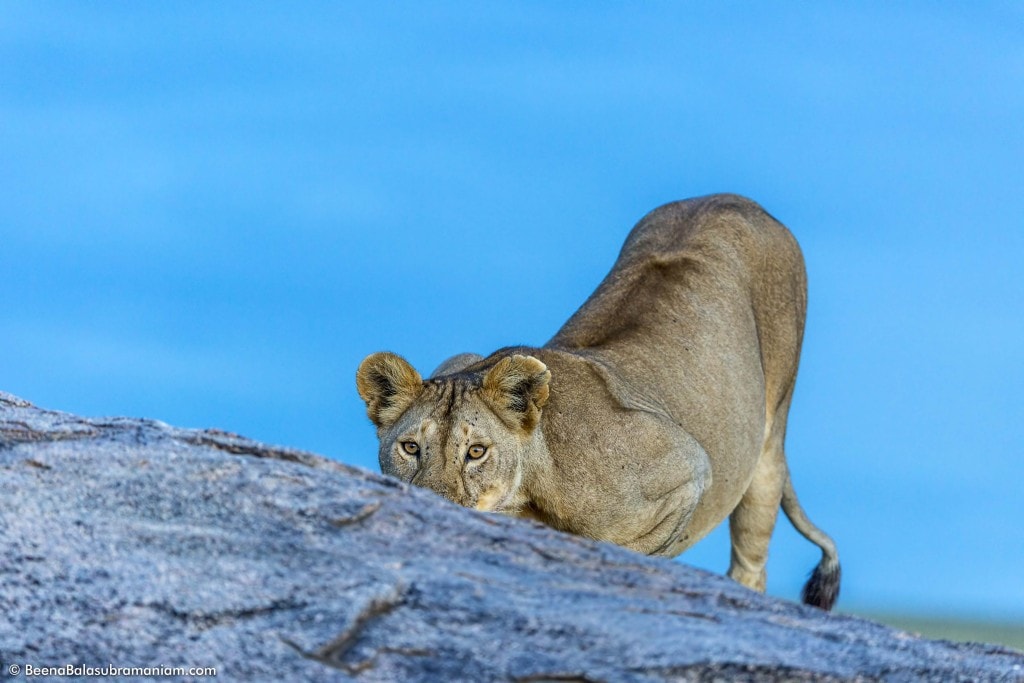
[476, 452]
[411, 447]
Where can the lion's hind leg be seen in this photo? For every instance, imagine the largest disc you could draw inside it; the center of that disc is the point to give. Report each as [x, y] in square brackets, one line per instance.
[752, 522]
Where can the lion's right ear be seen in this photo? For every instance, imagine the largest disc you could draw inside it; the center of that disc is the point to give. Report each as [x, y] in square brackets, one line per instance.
[389, 385]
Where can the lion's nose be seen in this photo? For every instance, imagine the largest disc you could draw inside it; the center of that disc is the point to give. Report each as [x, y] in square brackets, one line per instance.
[446, 489]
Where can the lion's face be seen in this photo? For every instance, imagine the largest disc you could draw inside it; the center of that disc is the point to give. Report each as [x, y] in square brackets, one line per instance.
[461, 451]
[462, 436]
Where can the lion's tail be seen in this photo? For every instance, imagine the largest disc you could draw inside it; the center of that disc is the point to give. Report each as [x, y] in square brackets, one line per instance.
[822, 588]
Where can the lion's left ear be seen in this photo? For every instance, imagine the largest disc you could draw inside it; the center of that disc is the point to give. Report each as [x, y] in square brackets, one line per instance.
[517, 388]
[389, 385]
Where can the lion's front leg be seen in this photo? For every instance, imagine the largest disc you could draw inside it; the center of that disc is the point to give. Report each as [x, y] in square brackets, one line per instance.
[675, 482]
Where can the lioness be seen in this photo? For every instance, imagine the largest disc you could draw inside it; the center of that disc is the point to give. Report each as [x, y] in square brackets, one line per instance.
[656, 411]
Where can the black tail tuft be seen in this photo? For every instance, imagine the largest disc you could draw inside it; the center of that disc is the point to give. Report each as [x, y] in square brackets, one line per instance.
[822, 589]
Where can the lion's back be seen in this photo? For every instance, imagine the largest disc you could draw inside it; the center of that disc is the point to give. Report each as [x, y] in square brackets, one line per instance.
[690, 257]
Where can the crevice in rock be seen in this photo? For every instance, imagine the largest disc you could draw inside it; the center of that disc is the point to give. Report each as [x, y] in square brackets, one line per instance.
[242, 448]
[17, 431]
[557, 677]
[205, 620]
[365, 513]
[333, 653]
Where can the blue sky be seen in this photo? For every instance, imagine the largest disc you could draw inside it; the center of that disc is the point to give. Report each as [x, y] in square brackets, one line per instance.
[210, 212]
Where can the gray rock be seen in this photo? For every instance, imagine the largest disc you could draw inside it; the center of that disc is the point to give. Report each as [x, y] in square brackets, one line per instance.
[131, 543]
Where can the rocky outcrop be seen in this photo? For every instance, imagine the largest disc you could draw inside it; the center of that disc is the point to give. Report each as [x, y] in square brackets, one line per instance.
[131, 543]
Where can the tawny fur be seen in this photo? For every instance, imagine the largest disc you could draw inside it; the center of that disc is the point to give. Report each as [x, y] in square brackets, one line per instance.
[658, 410]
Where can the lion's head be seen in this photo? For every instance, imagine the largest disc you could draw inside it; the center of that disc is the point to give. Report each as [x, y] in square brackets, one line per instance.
[462, 435]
